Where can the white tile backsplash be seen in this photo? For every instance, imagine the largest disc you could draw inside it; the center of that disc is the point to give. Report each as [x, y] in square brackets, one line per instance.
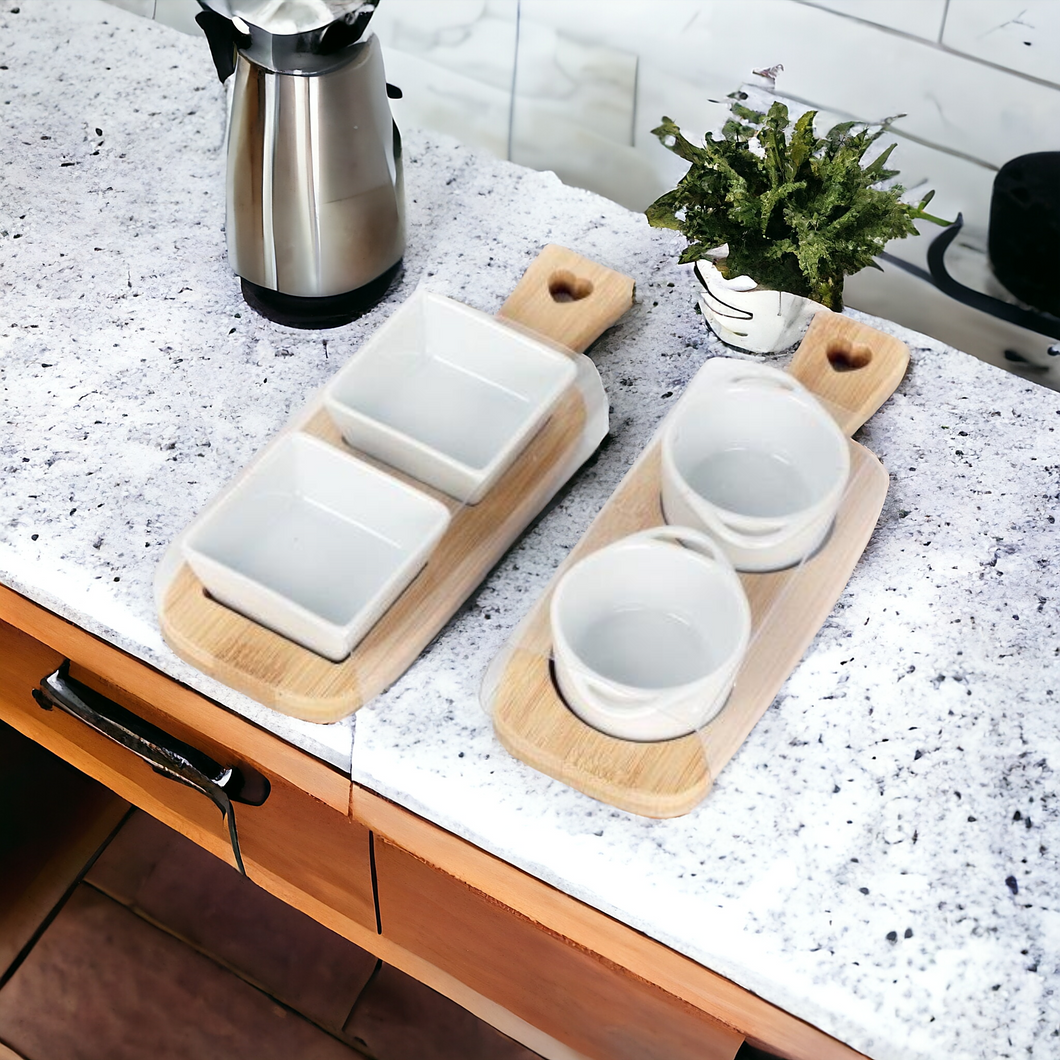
[454, 62]
[178, 14]
[704, 48]
[544, 136]
[577, 86]
[662, 91]
[595, 84]
[143, 8]
[468, 37]
[614, 69]
[438, 98]
[1022, 35]
[573, 113]
[833, 61]
[919, 18]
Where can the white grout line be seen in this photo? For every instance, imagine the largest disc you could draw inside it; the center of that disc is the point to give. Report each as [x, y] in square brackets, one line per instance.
[936, 45]
[911, 137]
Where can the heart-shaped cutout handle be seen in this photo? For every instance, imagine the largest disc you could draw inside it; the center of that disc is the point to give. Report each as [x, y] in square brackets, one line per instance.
[564, 286]
[851, 367]
[568, 299]
[848, 357]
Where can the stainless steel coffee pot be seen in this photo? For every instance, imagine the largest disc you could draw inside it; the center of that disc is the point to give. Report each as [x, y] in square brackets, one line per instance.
[315, 203]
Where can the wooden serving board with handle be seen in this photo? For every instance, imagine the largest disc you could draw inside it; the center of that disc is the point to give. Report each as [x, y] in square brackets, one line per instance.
[853, 369]
[563, 298]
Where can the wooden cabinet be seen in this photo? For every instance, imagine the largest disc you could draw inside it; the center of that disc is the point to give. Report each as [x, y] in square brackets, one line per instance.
[506, 934]
[300, 844]
[555, 973]
[578, 997]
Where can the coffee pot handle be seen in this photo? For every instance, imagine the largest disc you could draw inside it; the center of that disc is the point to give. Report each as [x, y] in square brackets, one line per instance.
[223, 38]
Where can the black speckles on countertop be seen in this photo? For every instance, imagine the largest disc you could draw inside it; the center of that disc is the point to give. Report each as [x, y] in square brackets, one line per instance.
[833, 849]
[131, 372]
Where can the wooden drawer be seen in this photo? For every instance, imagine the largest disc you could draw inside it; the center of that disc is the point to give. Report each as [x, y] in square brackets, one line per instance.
[481, 919]
[601, 1010]
[296, 845]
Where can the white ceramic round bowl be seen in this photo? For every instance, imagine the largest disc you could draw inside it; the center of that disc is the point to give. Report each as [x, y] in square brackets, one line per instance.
[648, 635]
[750, 317]
[754, 459]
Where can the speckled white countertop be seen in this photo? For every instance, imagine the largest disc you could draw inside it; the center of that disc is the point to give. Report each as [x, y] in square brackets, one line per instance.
[881, 856]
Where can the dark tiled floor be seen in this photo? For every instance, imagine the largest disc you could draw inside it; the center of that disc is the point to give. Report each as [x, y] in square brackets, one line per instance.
[103, 983]
[177, 884]
[167, 953]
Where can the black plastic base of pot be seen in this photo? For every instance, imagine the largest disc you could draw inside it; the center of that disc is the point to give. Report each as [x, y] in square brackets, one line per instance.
[319, 313]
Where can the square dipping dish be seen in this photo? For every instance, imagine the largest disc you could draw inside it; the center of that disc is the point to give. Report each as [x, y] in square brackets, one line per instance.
[447, 394]
[315, 544]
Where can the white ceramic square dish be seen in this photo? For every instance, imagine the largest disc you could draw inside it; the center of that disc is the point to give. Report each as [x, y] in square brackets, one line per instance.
[447, 394]
[315, 544]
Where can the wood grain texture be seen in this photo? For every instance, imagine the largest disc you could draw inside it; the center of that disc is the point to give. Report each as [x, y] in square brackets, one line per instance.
[53, 822]
[601, 1010]
[176, 708]
[762, 1024]
[293, 845]
[568, 299]
[852, 368]
[295, 681]
[669, 778]
[339, 896]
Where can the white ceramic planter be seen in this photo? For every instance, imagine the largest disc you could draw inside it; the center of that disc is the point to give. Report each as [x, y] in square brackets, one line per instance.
[750, 317]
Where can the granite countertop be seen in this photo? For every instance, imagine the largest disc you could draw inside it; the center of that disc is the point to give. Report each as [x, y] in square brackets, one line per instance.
[881, 856]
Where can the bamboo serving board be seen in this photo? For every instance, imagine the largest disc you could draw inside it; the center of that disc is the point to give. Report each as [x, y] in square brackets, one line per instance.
[853, 369]
[563, 298]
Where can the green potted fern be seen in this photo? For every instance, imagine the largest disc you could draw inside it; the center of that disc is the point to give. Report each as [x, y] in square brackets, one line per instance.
[776, 217]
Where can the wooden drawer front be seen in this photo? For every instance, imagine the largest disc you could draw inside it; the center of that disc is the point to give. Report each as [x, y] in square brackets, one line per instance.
[595, 1007]
[294, 844]
[179, 706]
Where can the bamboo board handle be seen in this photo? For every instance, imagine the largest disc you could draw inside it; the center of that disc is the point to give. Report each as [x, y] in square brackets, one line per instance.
[851, 367]
[567, 298]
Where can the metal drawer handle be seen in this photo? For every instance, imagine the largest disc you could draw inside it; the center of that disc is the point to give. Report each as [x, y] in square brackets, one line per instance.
[164, 753]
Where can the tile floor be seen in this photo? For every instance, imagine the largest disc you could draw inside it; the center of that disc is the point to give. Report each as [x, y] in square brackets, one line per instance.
[166, 952]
